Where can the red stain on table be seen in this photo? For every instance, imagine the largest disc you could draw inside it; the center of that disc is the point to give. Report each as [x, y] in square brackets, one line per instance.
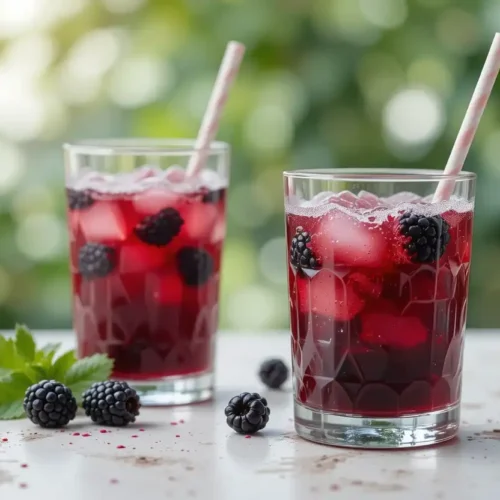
[86, 435]
[4, 440]
[103, 431]
[120, 447]
[173, 423]
[24, 466]
[75, 434]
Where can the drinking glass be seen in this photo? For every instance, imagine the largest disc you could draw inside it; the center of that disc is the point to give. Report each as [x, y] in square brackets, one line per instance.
[378, 281]
[145, 253]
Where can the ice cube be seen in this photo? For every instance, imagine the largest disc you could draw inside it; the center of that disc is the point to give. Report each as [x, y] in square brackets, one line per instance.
[345, 199]
[199, 221]
[103, 222]
[219, 231]
[153, 200]
[402, 197]
[211, 179]
[364, 285]
[328, 295]
[139, 258]
[165, 288]
[370, 200]
[145, 172]
[382, 328]
[319, 199]
[341, 239]
[174, 174]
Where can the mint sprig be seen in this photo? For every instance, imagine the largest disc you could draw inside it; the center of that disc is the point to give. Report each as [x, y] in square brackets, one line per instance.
[23, 364]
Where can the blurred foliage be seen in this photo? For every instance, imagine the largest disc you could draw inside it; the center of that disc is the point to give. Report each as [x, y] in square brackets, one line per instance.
[324, 83]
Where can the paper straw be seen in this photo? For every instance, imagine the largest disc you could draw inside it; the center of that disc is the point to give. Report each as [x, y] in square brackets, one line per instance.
[471, 121]
[210, 124]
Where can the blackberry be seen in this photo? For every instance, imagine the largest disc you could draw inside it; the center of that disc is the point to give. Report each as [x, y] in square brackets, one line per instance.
[427, 236]
[79, 200]
[195, 266]
[49, 404]
[160, 229]
[247, 413]
[111, 403]
[96, 260]
[300, 253]
[273, 373]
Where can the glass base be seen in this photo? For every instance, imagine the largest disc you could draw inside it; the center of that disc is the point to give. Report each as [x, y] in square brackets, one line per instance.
[179, 390]
[364, 432]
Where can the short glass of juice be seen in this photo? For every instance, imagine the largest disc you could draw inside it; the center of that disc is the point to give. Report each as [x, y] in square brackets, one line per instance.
[378, 281]
[145, 252]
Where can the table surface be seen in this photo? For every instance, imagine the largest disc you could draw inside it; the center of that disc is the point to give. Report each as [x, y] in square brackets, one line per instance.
[189, 452]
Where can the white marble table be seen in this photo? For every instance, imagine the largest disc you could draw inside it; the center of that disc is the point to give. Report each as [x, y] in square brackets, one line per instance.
[189, 452]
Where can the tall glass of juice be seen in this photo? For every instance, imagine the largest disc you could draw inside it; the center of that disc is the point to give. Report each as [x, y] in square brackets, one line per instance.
[378, 282]
[145, 251]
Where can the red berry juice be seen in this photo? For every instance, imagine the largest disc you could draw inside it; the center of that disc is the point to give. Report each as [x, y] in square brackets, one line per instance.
[376, 332]
[145, 264]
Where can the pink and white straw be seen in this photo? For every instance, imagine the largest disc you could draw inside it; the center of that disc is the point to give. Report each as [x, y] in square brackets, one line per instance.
[471, 121]
[210, 124]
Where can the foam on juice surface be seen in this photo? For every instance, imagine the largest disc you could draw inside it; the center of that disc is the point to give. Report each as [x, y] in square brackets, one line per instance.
[146, 178]
[367, 207]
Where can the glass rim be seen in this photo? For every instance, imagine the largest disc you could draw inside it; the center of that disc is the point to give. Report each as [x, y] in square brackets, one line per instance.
[377, 175]
[142, 147]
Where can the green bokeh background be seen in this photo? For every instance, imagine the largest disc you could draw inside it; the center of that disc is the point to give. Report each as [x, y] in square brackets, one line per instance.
[324, 83]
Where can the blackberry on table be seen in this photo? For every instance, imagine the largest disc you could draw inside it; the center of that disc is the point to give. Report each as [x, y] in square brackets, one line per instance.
[161, 228]
[96, 260]
[247, 413]
[428, 236]
[49, 404]
[195, 265]
[79, 200]
[273, 373]
[300, 253]
[111, 403]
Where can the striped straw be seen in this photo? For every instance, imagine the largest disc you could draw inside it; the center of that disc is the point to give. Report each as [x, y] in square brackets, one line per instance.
[471, 121]
[210, 124]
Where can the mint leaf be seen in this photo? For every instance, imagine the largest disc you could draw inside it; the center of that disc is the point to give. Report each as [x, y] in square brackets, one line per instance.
[9, 358]
[78, 388]
[13, 386]
[62, 365]
[12, 390]
[45, 355]
[25, 345]
[14, 409]
[88, 370]
[39, 372]
[19, 382]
